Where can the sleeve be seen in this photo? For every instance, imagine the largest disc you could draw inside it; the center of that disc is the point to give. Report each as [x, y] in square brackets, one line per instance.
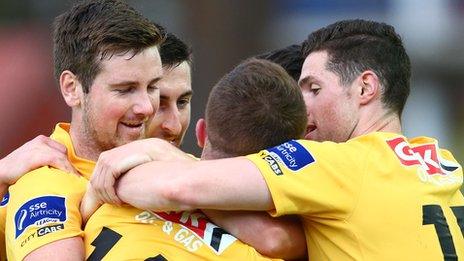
[315, 179]
[43, 207]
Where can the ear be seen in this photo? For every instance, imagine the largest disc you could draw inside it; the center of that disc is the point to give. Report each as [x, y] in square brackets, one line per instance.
[71, 88]
[200, 130]
[369, 87]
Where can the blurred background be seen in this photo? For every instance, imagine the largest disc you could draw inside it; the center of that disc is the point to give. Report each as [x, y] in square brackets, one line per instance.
[224, 32]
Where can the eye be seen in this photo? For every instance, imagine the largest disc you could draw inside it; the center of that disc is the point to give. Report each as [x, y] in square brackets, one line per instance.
[314, 88]
[182, 103]
[124, 90]
[151, 89]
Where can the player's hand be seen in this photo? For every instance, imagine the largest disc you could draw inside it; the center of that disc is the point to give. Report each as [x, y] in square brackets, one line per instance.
[89, 204]
[113, 163]
[41, 151]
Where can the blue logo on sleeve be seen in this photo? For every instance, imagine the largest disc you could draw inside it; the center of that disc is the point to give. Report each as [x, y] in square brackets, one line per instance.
[40, 211]
[292, 154]
[5, 199]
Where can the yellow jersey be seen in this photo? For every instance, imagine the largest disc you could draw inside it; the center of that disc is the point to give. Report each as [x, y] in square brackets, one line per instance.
[379, 196]
[44, 204]
[127, 233]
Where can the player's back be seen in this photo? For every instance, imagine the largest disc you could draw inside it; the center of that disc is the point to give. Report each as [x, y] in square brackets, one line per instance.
[406, 203]
[379, 196]
[115, 233]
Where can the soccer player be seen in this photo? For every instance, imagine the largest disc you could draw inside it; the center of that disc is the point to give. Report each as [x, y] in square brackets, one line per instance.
[172, 119]
[254, 83]
[175, 89]
[363, 190]
[107, 64]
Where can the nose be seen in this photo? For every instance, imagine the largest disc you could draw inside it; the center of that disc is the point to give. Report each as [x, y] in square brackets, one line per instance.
[307, 98]
[144, 105]
[171, 123]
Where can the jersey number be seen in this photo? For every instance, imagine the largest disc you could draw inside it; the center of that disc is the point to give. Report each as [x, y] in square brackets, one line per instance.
[106, 240]
[433, 214]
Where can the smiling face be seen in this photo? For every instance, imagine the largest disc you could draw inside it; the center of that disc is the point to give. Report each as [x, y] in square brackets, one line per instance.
[123, 96]
[332, 110]
[173, 116]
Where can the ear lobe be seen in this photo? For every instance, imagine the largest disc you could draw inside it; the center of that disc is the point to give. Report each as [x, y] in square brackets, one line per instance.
[71, 88]
[200, 131]
[370, 87]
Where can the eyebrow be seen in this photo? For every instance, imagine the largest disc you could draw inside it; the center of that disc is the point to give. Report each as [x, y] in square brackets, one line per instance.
[307, 79]
[304, 80]
[128, 83]
[185, 94]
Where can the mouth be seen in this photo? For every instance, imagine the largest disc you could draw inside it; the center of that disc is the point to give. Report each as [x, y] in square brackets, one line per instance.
[309, 130]
[135, 125]
[133, 129]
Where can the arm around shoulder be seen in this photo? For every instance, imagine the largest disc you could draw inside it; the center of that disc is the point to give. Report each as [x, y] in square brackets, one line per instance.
[229, 184]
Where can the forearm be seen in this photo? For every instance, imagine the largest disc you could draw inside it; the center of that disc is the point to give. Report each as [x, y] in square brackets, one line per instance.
[142, 188]
[281, 237]
[228, 184]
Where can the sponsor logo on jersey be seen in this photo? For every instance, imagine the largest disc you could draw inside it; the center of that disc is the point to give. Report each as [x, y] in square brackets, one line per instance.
[196, 225]
[291, 154]
[40, 211]
[49, 229]
[5, 199]
[272, 163]
[41, 232]
[431, 167]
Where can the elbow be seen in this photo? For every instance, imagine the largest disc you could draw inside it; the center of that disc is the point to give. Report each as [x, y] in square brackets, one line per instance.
[277, 244]
[177, 196]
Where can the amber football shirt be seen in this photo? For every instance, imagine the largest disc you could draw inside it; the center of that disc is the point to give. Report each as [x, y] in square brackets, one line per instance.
[127, 233]
[379, 196]
[44, 204]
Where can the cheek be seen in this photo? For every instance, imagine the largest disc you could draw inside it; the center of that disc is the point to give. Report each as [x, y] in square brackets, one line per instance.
[185, 121]
[155, 123]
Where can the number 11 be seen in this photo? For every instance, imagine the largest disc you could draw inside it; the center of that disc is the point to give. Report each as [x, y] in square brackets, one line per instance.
[433, 214]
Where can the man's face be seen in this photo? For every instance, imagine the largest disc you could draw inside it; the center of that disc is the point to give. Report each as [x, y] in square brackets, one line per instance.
[332, 110]
[123, 96]
[173, 116]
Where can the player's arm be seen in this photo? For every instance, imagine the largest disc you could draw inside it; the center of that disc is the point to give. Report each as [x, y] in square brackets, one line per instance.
[66, 249]
[113, 163]
[43, 220]
[228, 184]
[41, 151]
[281, 237]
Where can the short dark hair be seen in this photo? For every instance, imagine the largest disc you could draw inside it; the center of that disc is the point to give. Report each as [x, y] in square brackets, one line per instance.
[357, 45]
[96, 29]
[290, 58]
[174, 51]
[255, 106]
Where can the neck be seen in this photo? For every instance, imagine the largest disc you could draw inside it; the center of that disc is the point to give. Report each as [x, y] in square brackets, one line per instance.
[84, 147]
[386, 122]
[208, 153]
